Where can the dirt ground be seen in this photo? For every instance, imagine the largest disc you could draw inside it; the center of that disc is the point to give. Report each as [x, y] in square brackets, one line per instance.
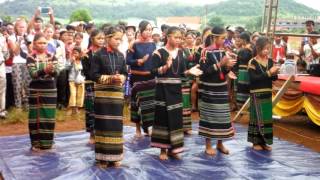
[298, 129]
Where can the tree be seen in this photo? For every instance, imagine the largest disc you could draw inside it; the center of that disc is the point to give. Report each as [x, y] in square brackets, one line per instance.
[80, 15]
[6, 19]
[215, 21]
[254, 24]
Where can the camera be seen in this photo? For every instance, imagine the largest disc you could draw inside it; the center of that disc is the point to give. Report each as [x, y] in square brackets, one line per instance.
[44, 10]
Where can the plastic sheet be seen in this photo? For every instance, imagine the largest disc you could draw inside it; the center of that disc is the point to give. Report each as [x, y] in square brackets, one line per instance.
[73, 158]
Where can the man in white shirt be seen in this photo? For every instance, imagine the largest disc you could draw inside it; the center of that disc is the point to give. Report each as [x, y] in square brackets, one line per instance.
[311, 50]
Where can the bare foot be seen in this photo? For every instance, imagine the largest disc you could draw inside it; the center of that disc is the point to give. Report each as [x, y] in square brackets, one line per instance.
[210, 151]
[222, 149]
[117, 164]
[91, 140]
[138, 136]
[102, 165]
[34, 149]
[257, 147]
[163, 155]
[188, 132]
[267, 148]
[174, 155]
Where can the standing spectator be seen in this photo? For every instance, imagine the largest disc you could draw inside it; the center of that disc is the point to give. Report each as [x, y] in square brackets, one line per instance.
[311, 51]
[279, 50]
[10, 28]
[76, 82]
[4, 54]
[20, 76]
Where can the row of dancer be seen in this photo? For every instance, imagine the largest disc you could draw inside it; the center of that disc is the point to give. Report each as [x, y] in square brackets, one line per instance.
[160, 80]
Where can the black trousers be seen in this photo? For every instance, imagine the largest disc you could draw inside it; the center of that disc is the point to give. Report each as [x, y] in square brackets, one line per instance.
[9, 91]
[63, 90]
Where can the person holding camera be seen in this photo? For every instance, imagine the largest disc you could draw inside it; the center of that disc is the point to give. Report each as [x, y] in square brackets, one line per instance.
[36, 23]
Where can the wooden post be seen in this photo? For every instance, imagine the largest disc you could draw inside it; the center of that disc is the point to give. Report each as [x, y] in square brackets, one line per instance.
[243, 108]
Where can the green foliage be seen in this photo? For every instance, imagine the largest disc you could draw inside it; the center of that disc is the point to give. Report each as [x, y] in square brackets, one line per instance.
[235, 12]
[215, 21]
[80, 15]
[254, 24]
[7, 19]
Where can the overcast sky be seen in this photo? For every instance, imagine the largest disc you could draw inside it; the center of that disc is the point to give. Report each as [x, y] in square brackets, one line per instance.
[311, 3]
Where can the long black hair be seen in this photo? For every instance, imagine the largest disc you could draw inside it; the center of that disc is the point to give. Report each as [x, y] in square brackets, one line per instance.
[261, 43]
[170, 31]
[216, 31]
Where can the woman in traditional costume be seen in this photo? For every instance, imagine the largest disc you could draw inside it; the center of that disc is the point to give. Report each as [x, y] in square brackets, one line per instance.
[142, 81]
[42, 67]
[169, 67]
[97, 39]
[261, 74]
[215, 121]
[109, 71]
[241, 69]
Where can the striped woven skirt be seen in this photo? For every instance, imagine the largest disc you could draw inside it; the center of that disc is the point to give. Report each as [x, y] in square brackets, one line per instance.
[243, 89]
[167, 132]
[89, 105]
[186, 102]
[260, 125]
[215, 121]
[108, 125]
[142, 100]
[42, 113]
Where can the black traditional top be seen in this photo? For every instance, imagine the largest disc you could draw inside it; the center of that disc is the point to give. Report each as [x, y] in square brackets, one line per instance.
[177, 68]
[108, 62]
[213, 73]
[260, 77]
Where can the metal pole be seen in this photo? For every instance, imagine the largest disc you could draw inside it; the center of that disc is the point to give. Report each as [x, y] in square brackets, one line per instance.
[264, 16]
[269, 16]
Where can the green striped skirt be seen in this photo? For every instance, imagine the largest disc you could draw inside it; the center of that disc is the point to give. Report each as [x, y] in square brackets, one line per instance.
[42, 113]
[186, 102]
[142, 100]
[108, 125]
[260, 125]
[243, 89]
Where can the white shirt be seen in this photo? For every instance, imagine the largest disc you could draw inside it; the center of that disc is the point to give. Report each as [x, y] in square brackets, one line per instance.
[308, 54]
[18, 59]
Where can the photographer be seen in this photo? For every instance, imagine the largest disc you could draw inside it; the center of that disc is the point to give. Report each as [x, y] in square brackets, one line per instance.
[36, 23]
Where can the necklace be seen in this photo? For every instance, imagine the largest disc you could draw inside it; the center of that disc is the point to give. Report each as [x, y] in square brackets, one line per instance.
[221, 75]
[262, 68]
[112, 63]
[175, 72]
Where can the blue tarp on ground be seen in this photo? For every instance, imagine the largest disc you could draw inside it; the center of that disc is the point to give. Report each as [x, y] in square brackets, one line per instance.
[73, 158]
